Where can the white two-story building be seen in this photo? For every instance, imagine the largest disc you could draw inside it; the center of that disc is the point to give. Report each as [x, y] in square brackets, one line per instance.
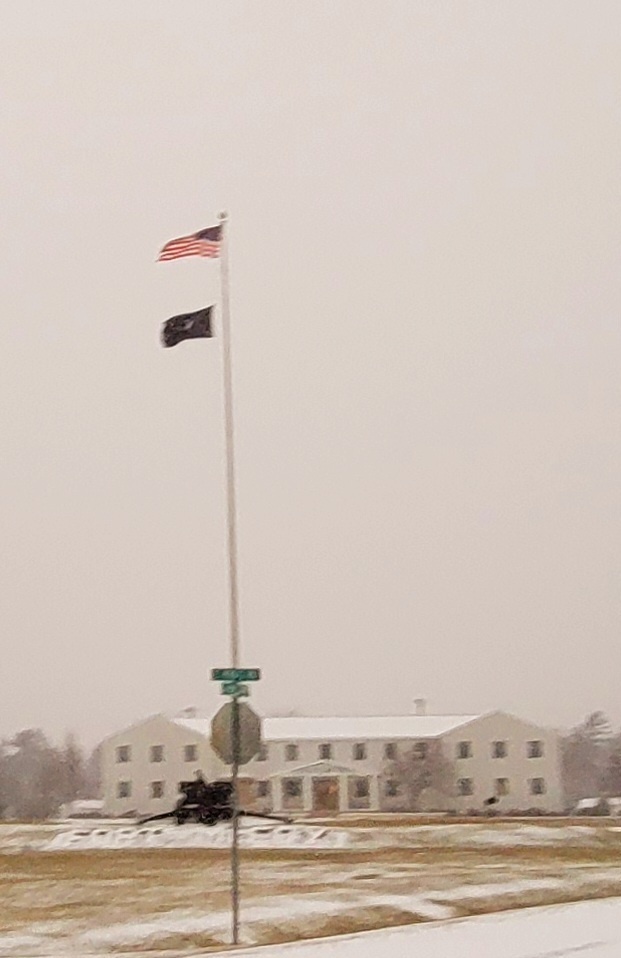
[322, 765]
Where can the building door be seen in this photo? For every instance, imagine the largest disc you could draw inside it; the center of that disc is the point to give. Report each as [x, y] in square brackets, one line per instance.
[325, 795]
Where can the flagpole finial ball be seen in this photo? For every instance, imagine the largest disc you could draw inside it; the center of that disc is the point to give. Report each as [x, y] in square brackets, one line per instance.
[223, 215]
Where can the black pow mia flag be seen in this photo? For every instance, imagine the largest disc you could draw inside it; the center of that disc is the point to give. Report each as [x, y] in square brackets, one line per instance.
[196, 325]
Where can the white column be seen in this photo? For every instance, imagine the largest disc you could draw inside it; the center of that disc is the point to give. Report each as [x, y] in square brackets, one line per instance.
[374, 793]
[343, 793]
[276, 794]
[307, 793]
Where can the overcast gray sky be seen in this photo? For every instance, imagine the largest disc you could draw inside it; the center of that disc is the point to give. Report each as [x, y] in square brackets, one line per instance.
[425, 238]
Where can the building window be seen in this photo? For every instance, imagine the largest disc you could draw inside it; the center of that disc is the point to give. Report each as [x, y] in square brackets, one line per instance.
[537, 786]
[292, 787]
[124, 753]
[361, 787]
[123, 789]
[156, 753]
[263, 789]
[391, 788]
[464, 750]
[292, 795]
[390, 751]
[358, 792]
[465, 786]
[157, 789]
[534, 749]
[499, 749]
[190, 753]
[325, 751]
[421, 750]
[359, 751]
[501, 787]
[262, 756]
[291, 753]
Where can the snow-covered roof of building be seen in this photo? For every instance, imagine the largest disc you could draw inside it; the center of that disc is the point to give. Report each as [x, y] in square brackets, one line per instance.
[362, 727]
[368, 727]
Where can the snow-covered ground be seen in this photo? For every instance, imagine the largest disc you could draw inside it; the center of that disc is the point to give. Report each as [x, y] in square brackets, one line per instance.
[196, 836]
[106, 888]
[119, 834]
[591, 929]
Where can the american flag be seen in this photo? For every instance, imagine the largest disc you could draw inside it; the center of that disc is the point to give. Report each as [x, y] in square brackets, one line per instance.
[204, 243]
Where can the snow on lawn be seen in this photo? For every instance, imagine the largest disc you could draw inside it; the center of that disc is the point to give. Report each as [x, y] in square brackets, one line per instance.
[197, 836]
[289, 916]
[105, 888]
[182, 927]
[90, 835]
[498, 833]
[301, 835]
[590, 928]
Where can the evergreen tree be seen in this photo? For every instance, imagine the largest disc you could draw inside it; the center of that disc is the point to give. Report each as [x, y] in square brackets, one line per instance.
[611, 779]
[597, 728]
[72, 770]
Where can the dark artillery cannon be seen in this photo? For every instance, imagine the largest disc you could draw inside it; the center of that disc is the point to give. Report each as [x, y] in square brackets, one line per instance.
[206, 803]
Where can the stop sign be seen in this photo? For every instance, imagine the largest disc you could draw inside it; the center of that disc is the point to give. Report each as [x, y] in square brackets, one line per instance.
[249, 733]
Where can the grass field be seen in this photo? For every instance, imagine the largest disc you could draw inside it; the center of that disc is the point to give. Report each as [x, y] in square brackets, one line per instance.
[172, 902]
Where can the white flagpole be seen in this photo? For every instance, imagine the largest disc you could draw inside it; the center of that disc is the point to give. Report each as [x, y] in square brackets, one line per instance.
[232, 553]
[229, 441]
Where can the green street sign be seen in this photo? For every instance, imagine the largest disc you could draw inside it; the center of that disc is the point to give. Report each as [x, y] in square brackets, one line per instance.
[235, 675]
[236, 689]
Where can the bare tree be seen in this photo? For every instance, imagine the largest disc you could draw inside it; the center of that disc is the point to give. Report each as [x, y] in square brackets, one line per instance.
[31, 773]
[72, 770]
[585, 758]
[422, 768]
[36, 778]
[92, 774]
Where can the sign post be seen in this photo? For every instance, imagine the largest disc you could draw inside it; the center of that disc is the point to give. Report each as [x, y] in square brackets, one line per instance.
[236, 738]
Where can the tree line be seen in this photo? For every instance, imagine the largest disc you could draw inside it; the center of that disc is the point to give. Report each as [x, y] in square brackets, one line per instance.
[37, 778]
[591, 760]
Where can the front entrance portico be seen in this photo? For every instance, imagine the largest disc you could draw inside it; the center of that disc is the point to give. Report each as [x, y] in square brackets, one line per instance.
[321, 788]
